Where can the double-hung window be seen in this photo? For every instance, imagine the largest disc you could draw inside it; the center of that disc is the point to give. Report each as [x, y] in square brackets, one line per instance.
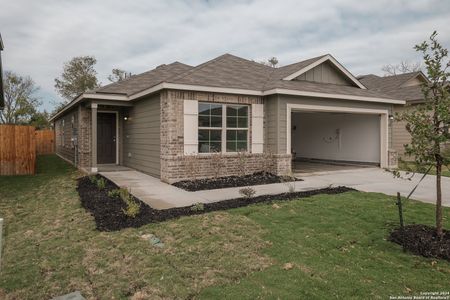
[222, 127]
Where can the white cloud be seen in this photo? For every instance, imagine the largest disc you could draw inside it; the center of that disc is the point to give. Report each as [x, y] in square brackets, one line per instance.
[139, 35]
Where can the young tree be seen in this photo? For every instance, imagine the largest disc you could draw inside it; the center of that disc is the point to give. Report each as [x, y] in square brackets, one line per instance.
[20, 102]
[40, 120]
[428, 124]
[78, 77]
[402, 67]
[271, 62]
[118, 75]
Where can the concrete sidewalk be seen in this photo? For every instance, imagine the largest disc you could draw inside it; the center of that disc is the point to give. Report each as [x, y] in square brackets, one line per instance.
[161, 195]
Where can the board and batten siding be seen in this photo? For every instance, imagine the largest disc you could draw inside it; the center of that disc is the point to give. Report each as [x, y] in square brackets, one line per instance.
[325, 73]
[278, 138]
[141, 137]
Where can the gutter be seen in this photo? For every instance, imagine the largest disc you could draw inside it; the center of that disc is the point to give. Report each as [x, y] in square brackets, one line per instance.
[200, 88]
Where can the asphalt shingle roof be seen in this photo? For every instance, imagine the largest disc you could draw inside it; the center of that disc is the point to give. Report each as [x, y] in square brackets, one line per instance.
[392, 85]
[140, 82]
[229, 71]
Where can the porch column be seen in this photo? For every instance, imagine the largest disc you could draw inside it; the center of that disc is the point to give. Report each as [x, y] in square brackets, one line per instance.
[384, 140]
[94, 137]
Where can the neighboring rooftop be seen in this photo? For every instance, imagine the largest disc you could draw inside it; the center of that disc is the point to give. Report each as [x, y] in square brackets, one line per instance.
[405, 86]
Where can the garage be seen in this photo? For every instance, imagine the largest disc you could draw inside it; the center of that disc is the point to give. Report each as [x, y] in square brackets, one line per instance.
[324, 139]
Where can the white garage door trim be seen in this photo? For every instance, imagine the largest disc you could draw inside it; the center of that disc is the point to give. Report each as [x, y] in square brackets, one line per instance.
[319, 108]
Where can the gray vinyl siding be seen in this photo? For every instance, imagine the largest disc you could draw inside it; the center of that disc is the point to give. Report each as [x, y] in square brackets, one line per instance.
[279, 136]
[272, 123]
[325, 73]
[400, 136]
[141, 136]
[65, 134]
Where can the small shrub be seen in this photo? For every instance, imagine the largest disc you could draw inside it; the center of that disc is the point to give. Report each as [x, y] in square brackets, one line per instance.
[289, 181]
[101, 183]
[93, 179]
[217, 164]
[114, 193]
[247, 192]
[192, 167]
[242, 163]
[268, 162]
[133, 207]
[198, 207]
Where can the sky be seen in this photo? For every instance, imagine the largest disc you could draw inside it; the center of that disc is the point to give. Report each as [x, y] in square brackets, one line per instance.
[138, 35]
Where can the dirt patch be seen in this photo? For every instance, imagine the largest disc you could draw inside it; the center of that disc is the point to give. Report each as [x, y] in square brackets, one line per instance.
[422, 240]
[109, 216]
[232, 181]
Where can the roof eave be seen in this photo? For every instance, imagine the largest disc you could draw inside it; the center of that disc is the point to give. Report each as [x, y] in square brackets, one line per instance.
[200, 88]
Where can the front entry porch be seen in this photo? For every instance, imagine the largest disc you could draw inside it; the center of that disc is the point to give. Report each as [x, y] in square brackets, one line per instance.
[106, 136]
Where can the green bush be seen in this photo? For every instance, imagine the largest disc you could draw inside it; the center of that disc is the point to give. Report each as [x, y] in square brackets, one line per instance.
[114, 193]
[93, 179]
[198, 207]
[133, 207]
[101, 183]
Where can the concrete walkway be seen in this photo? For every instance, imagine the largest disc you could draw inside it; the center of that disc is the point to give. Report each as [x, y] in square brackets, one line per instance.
[161, 195]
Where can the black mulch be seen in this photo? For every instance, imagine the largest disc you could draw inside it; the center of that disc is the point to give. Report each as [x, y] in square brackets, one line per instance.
[109, 216]
[231, 181]
[422, 240]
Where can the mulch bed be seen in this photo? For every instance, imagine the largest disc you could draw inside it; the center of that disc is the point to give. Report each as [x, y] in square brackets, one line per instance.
[422, 240]
[232, 181]
[109, 216]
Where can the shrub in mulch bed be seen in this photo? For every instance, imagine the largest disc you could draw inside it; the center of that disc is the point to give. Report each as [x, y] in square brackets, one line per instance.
[108, 214]
[232, 181]
[422, 240]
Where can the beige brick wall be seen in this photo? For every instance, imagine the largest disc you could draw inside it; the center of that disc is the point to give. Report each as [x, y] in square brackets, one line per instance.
[175, 166]
[84, 138]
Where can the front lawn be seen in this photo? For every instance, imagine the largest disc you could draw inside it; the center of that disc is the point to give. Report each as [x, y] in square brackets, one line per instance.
[326, 246]
[411, 166]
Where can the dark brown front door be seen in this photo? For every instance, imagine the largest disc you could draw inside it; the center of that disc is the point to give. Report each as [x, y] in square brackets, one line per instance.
[106, 138]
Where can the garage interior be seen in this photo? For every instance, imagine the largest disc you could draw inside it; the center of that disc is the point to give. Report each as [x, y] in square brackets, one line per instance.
[334, 141]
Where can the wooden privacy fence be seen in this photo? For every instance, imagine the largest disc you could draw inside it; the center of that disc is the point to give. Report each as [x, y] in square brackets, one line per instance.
[45, 141]
[17, 150]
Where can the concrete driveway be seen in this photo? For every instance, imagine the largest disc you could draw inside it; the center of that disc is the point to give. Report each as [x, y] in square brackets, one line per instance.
[380, 181]
[161, 195]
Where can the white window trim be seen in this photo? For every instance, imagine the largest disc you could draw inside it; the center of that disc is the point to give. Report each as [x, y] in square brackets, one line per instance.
[257, 118]
[224, 128]
[190, 127]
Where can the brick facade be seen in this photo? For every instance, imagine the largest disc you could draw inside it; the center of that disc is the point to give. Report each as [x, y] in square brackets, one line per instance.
[176, 166]
[84, 138]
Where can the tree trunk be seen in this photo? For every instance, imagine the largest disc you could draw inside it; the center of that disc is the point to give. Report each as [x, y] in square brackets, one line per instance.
[438, 199]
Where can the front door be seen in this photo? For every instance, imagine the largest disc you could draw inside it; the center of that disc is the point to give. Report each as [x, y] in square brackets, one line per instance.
[106, 138]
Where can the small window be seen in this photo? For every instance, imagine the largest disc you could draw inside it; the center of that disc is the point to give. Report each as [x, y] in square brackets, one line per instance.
[222, 128]
[62, 134]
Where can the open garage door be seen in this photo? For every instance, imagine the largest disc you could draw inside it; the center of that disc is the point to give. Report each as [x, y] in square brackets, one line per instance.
[338, 136]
